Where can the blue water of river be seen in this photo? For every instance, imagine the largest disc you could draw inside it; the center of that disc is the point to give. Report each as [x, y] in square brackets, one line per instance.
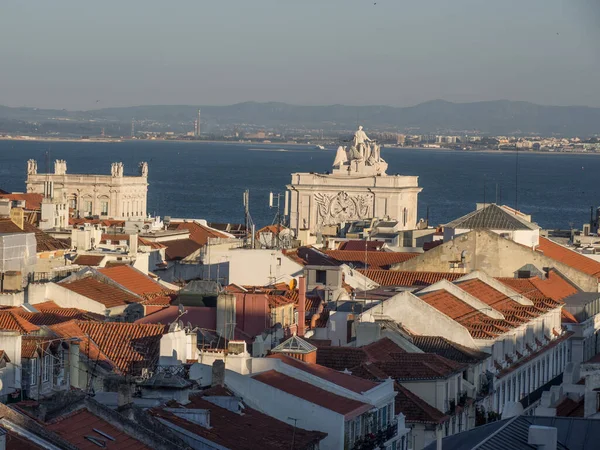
[206, 180]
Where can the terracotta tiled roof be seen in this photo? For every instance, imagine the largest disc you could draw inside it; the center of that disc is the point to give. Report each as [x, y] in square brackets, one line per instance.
[371, 259]
[448, 349]
[410, 367]
[198, 233]
[109, 295]
[408, 279]
[8, 226]
[88, 260]
[347, 407]
[449, 304]
[415, 408]
[567, 317]
[58, 315]
[151, 244]
[180, 249]
[349, 382]
[133, 280]
[569, 257]
[570, 408]
[10, 320]
[248, 431]
[273, 229]
[488, 295]
[125, 346]
[74, 427]
[554, 287]
[49, 304]
[492, 217]
[33, 202]
[342, 358]
[45, 242]
[32, 346]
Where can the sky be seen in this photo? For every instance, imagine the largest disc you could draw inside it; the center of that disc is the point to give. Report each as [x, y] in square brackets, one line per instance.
[76, 54]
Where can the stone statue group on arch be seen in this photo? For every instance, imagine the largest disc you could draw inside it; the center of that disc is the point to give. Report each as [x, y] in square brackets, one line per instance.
[363, 152]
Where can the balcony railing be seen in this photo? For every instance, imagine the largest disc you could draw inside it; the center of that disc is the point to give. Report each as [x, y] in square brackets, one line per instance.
[376, 439]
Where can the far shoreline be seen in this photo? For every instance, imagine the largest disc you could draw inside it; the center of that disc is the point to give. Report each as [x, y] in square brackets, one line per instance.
[276, 144]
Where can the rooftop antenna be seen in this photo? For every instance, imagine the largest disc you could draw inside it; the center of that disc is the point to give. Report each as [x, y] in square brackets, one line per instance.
[248, 220]
[279, 220]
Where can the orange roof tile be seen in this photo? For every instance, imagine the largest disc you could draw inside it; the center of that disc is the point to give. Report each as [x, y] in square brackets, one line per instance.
[33, 202]
[198, 233]
[49, 304]
[32, 346]
[10, 320]
[567, 317]
[415, 408]
[74, 428]
[488, 295]
[133, 280]
[569, 257]
[125, 346]
[448, 304]
[349, 382]
[151, 244]
[180, 249]
[370, 259]
[109, 295]
[342, 405]
[407, 279]
[248, 431]
[58, 315]
[555, 286]
[88, 260]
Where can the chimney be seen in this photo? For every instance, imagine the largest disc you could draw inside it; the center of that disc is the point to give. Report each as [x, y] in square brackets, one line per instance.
[301, 306]
[218, 373]
[124, 396]
[542, 438]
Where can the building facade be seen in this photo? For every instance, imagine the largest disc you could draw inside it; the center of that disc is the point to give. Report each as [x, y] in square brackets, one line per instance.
[105, 196]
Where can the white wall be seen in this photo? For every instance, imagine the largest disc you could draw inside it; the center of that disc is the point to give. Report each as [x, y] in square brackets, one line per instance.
[281, 405]
[419, 317]
[10, 376]
[173, 348]
[253, 267]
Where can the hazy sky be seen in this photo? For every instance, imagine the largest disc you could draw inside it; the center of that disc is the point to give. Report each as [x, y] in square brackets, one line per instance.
[79, 54]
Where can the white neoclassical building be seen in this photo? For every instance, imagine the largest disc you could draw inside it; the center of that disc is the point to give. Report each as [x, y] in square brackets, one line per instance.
[357, 188]
[107, 196]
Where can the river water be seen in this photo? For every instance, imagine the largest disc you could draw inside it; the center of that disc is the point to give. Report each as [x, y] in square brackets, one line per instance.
[206, 180]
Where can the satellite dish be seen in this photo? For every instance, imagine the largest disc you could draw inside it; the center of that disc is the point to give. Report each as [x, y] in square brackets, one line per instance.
[293, 284]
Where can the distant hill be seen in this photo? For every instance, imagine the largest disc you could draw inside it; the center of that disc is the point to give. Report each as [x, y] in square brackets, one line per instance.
[491, 117]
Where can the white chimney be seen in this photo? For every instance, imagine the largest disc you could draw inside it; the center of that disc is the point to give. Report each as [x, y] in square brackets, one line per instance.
[543, 438]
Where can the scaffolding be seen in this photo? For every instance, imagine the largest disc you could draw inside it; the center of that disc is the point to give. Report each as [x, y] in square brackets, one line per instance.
[17, 252]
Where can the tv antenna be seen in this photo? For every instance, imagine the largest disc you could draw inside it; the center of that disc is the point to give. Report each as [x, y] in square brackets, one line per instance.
[280, 219]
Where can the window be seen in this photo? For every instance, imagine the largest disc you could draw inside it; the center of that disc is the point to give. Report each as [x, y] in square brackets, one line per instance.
[321, 277]
[73, 203]
[104, 208]
[47, 368]
[33, 368]
[405, 216]
[88, 207]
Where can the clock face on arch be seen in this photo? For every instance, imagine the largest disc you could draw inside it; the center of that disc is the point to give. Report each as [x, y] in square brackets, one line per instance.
[343, 208]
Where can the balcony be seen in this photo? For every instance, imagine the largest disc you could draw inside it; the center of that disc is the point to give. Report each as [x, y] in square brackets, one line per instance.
[376, 439]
